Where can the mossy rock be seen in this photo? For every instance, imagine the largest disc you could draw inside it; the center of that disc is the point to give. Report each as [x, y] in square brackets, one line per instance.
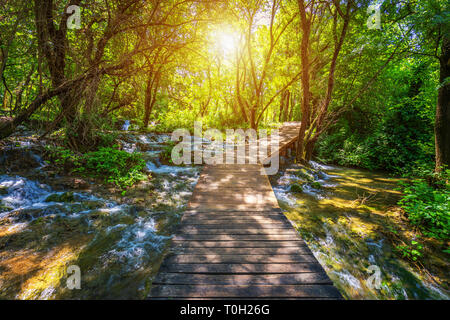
[297, 188]
[64, 197]
[5, 208]
[126, 220]
[96, 214]
[93, 204]
[316, 185]
[28, 214]
[305, 174]
[3, 191]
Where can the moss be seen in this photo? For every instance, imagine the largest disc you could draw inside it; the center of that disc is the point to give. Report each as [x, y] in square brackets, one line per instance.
[297, 188]
[93, 204]
[316, 185]
[4, 208]
[126, 220]
[64, 197]
[305, 174]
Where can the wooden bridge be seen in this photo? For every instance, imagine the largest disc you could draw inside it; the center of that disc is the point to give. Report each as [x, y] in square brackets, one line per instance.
[234, 242]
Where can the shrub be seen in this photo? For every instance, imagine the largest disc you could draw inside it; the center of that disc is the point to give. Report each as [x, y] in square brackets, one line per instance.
[119, 167]
[116, 166]
[427, 204]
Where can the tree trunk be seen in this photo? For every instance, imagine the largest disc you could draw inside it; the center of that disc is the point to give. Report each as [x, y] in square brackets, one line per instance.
[147, 102]
[253, 123]
[442, 123]
[306, 30]
[286, 105]
[282, 100]
[309, 149]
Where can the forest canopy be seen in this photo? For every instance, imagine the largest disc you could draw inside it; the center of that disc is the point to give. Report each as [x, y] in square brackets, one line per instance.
[368, 80]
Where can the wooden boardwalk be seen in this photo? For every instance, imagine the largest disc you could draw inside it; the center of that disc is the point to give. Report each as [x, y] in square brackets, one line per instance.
[234, 242]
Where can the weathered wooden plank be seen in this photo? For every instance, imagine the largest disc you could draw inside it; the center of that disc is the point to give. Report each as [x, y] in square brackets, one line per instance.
[239, 244]
[262, 198]
[238, 237]
[268, 211]
[219, 219]
[246, 251]
[222, 214]
[217, 258]
[242, 231]
[233, 169]
[243, 279]
[244, 268]
[232, 187]
[227, 225]
[210, 205]
[310, 291]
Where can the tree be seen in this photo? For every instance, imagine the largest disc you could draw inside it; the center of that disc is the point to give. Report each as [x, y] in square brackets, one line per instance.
[252, 92]
[442, 122]
[312, 20]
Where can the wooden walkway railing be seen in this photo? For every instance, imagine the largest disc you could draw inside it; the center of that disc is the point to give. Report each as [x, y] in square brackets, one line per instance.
[234, 242]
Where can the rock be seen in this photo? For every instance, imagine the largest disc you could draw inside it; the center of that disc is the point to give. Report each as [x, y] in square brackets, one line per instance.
[5, 208]
[296, 188]
[3, 191]
[93, 204]
[316, 185]
[64, 197]
[19, 160]
[28, 214]
[126, 220]
[305, 174]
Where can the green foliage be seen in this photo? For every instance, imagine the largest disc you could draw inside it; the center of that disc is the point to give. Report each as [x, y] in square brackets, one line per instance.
[106, 139]
[119, 167]
[63, 156]
[296, 188]
[115, 166]
[167, 151]
[400, 136]
[412, 251]
[428, 206]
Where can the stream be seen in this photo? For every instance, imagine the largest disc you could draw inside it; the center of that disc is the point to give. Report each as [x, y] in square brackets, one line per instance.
[347, 217]
[49, 222]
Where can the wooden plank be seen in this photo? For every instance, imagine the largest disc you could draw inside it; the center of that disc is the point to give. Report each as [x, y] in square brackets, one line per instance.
[241, 231]
[232, 168]
[212, 214]
[237, 237]
[230, 206]
[243, 279]
[229, 218]
[260, 199]
[225, 187]
[310, 291]
[228, 181]
[246, 251]
[268, 211]
[226, 225]
[216, 258]
[243, 268]
[239, 244]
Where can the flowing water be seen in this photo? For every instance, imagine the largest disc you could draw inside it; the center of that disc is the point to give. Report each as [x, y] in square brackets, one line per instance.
[347, 217]
[117, 242]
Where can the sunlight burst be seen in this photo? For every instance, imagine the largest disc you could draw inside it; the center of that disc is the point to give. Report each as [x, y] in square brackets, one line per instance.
[225, 41]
